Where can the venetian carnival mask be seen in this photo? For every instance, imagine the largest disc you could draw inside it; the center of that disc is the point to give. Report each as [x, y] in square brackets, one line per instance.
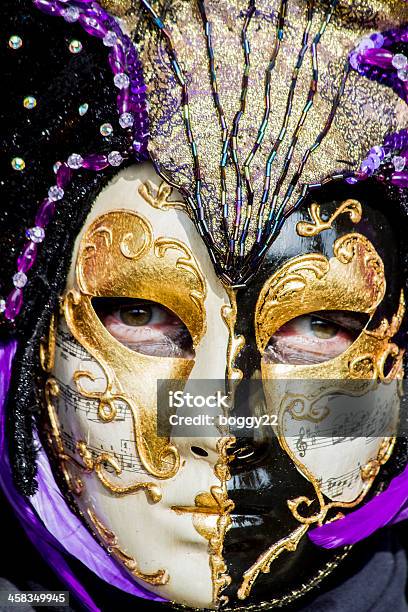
[253, 247]
[189, 517]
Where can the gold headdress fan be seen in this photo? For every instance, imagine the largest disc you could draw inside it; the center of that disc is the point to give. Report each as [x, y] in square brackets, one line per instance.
[251, 101]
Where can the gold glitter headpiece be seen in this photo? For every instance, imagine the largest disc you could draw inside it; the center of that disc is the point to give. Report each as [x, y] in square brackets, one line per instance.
[252, 101]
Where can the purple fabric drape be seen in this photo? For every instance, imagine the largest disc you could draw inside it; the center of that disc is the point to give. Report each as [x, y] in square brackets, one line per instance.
[387, 508]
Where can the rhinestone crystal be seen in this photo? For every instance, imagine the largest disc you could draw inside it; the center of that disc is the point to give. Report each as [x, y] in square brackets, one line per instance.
[379, 151]
[29, 102]
[399, 163]
[55, 193]
[110, 39]
[71, 14]
[126, 120]
[75, 46]
[18, 163]
[83, 109]
[15, 42]
[354, 60]
[19, 280]
[403, 74]
[375, 160]
[365, 43]
[106, 129]
[75, 161]
[35, 234]
[399, 61]
[56, 166]
[121, 80]
[115, 158]
[378, 39]
[2, 305]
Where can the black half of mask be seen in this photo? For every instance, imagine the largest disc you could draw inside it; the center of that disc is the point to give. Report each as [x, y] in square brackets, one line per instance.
[264, 478]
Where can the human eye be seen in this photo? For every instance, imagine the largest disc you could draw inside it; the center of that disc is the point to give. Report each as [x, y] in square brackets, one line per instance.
[314, 338]
[145, 327]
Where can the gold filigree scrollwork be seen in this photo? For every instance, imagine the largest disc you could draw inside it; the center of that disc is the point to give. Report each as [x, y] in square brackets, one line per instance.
[47, 346]
[290, 543]
[349, 247]
[288, 282]
[110, 540]
[372, 364]
[90, 464]
[352, 280]
[235, 343]
[96, 464]
[385, 332]
[308, 229]
[118, 257]
[211, 519]
[74, 483]
[166, 464]
[160, 199]
[219, 570]
[264, 561]
[299, 408]
[188, 263]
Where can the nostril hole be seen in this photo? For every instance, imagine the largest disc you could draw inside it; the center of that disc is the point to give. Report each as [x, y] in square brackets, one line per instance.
[199, 452]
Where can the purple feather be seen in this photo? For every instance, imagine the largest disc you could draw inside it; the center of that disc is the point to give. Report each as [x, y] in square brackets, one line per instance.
[387, 508]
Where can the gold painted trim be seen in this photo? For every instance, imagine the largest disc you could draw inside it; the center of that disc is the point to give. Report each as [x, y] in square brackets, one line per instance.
[167, 461]
[75, 484]
[211, 519]
[97, 464]
[264, 561]
[235, 343]
[110, 541]
[308, 229]
[47, 346]
[160, 200]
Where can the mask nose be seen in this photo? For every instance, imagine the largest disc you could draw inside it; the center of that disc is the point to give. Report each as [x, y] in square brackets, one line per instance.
[254, 448]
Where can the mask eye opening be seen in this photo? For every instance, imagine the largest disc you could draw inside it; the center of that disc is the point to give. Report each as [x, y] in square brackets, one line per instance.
[315, 337]
[144, 326]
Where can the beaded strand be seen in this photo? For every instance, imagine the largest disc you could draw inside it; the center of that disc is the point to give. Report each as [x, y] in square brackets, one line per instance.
[133, 118]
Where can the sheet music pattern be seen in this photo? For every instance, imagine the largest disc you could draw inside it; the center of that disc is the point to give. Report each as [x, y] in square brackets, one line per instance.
[115, 438]
[336, 448]
[127, 461]
[68, 346]
[71, 399]
[366, 426]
